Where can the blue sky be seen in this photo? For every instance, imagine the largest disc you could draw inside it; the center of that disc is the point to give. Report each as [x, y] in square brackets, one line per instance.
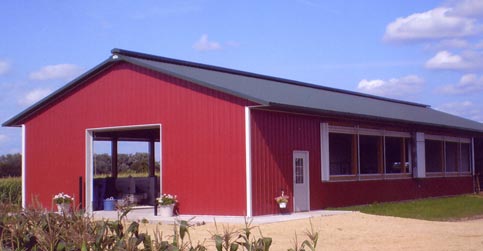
[423, 51]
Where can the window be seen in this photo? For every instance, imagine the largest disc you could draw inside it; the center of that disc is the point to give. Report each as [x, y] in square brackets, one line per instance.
[342, 154]
[370, 152]
[447, 155]
[299, 171]
[465, 157]
[353, 153]
[451, 149]
[397, 159]
[434, 156]
[366, 153]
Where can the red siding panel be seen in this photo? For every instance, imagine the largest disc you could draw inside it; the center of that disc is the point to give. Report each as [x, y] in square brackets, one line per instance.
[276, 135]
[203, 137]
[274, 138]
[337, 194]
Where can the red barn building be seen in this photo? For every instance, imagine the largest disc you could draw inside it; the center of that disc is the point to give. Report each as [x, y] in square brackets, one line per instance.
[231, 141]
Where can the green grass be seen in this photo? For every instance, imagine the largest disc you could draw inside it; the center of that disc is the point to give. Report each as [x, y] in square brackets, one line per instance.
[434, 209]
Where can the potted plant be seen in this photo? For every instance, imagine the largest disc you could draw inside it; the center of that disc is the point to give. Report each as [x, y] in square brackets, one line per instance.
[166, 204]
[63, 202]
[282, 200]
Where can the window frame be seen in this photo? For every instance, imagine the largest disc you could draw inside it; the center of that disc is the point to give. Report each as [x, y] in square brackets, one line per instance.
[459, 169]
[369, 132]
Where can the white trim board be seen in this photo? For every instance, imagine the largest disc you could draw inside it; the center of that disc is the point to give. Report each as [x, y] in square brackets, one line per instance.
[24, 167]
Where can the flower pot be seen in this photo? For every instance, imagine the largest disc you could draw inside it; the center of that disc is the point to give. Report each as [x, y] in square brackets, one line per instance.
[166, 210]
[282, 204]
[63, 208]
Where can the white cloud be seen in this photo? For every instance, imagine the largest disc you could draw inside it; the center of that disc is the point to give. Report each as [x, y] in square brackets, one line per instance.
[432, 24]
[203, 44]
[467, 8]
[34, 96]
[466, 109]
[394, 87]
[445, 60]
[4, 67]
[58, 71]
[468, 83]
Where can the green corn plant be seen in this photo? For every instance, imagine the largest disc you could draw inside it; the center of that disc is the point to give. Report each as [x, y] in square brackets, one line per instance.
[251, 244]
[311, 243]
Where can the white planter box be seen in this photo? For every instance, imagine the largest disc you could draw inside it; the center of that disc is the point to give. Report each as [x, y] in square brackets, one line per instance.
[166, 211]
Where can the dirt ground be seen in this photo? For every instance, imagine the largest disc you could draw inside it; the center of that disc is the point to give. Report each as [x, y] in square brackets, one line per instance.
[357, 231]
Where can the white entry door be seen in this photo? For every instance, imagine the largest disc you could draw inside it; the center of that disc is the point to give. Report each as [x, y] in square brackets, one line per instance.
[301, 197]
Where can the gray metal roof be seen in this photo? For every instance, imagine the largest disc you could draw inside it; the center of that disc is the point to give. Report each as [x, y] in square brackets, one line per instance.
[284, 92]
[268, 90]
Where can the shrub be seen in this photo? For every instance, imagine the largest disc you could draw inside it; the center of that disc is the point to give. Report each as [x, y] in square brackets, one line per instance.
[11, 191]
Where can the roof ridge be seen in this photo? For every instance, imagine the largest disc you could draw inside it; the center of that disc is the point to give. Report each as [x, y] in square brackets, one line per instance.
[128, 53]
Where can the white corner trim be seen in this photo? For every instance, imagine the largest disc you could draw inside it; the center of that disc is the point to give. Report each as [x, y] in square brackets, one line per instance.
[24, 178]
[473, 156]
[420, 155]
[324, 151]
[89, 184]
[248, 162]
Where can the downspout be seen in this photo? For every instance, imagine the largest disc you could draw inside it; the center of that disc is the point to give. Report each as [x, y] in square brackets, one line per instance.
[248, 159]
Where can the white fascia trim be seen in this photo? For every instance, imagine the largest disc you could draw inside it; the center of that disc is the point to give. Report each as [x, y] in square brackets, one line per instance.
[24, 179]
[248, 162]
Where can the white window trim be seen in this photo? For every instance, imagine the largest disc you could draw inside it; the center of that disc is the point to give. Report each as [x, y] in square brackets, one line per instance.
[325, 129]
[324, 155]
[420, 155]
[448, 138]
[452, 139]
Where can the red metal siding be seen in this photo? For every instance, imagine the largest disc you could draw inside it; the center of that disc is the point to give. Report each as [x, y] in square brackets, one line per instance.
[337, 194]
[274, 138]
[203, 138]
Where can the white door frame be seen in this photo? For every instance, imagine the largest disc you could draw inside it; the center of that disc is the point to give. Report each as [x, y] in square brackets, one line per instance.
[306, 175]
[89, 178]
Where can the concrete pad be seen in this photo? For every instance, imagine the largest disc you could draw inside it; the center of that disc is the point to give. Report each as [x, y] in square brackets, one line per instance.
[148, 214]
